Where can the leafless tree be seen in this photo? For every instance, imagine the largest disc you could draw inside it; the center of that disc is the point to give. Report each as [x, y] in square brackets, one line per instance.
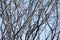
[29, 19]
